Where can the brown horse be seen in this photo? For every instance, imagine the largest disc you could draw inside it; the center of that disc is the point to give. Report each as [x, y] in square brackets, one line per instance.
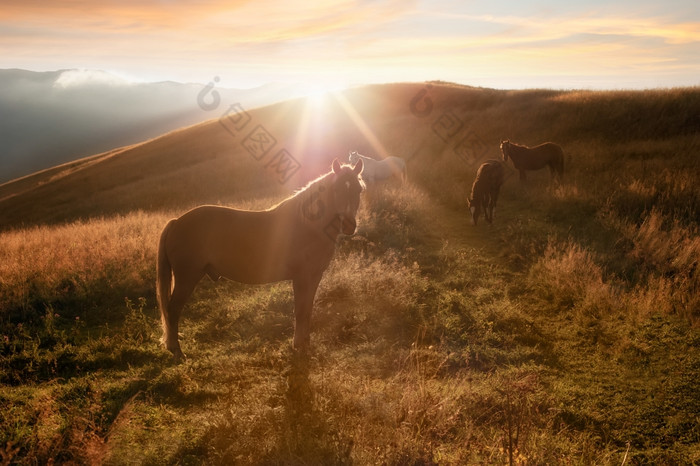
[294, 240]
[535, 158]
[487, 185]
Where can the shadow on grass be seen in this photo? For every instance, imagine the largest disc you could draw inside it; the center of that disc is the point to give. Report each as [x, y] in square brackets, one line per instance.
[279, 419]
[307, 435]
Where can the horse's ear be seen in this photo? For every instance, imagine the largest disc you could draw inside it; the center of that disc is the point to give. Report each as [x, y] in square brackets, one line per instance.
[357, 169]
[336, 166]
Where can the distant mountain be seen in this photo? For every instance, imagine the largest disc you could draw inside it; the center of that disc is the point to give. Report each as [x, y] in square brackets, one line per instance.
[49, 118]
[265, 153]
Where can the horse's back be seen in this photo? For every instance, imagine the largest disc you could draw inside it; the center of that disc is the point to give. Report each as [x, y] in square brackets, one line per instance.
[209, 221]
[388, 167]
[223, 241]
[491, 171]
[198, 229]
[534, 158]
[551, 147]
[488, 180]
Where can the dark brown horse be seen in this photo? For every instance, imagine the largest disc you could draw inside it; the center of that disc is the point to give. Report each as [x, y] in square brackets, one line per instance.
[484, 195]
[535, 158]
[294, 240]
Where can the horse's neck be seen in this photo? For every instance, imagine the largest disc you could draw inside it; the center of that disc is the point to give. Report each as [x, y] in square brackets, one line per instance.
[517, 149]
[477, 189]
[311, 204]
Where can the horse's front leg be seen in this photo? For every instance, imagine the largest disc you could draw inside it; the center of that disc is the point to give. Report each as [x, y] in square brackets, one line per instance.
[304, 293]
[488, 211]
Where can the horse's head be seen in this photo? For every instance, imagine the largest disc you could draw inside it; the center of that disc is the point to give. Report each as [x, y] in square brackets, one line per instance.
[345, 191]
[353, 157]
[505, 147]
[474, 210]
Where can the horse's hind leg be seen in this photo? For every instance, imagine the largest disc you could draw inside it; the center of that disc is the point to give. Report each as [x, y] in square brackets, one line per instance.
[182, 290]
[556, 169]
[560, 168]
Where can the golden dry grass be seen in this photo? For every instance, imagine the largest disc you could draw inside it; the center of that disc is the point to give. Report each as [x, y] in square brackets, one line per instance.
[83, 260]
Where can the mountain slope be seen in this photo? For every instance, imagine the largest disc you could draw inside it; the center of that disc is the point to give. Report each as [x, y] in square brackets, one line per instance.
[55, 117]
[443, 131]
[209, 162]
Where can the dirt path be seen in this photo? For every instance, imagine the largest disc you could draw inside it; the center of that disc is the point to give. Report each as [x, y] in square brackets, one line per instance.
[454, 230]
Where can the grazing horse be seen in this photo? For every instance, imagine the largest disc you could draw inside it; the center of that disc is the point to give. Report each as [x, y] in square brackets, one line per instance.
[487, 185]
[376, 170]
[294, 240]
[526, 158]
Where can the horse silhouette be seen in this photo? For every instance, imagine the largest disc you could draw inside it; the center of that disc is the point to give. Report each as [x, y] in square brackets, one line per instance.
[294, 240]
[377, 170]
[485, 190]
[534, 158]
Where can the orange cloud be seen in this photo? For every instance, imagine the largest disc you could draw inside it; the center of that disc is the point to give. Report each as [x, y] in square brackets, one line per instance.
[533, 29]
[388, 40]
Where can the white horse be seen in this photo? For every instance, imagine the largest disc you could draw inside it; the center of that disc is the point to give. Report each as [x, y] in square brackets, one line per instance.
[377, 170]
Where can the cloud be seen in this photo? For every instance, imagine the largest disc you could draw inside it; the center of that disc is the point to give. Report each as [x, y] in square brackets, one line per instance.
[275, 22]
[534, 29]
[115, 13]
[233, 30]
[245, 19]
[83, 77]
[271, 40]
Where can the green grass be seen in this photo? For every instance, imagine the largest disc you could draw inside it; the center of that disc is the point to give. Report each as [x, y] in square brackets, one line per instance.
[565, 333]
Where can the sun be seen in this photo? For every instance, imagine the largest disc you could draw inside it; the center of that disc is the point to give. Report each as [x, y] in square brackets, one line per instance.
[318, 92]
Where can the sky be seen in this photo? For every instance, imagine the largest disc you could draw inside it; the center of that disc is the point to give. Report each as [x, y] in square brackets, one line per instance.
[330, 44]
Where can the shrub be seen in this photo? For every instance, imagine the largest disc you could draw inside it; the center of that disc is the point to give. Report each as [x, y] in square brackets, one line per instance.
[569, 278]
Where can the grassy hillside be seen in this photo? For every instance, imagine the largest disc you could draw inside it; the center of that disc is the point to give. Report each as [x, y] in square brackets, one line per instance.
[55, 116]
[565, 333]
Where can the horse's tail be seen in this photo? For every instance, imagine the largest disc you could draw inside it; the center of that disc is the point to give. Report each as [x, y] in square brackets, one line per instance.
[164, 280]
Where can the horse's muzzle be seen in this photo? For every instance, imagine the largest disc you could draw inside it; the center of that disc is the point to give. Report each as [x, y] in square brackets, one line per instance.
[348, 225]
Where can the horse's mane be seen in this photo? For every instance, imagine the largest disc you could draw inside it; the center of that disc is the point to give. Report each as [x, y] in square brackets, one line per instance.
[362, 156]
[517, 146]
[302, 194]
[322, 180]
[478, 181]
[319, 184]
